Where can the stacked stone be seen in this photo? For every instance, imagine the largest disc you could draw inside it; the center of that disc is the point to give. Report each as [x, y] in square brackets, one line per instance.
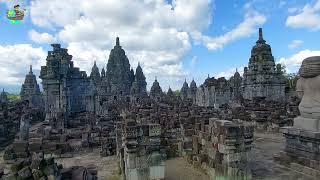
[266, 114]
[30, 91]
[302, 151]
[142, 157]
[4, 123]
[261, 78]
[213, 92]
[36, 168]
[66, 88]
[225, 147]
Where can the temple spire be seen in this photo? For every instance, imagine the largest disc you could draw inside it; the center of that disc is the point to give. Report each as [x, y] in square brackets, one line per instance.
[30, 71]
[117, 42]
[261, 40]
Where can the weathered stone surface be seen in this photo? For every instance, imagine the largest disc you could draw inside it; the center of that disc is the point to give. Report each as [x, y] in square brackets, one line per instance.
[261, 78]
[156, 91]
[307, 87]
[30, 91]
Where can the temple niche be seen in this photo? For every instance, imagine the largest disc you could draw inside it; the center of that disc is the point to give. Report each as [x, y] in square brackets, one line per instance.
[261, 78]
[30, 91]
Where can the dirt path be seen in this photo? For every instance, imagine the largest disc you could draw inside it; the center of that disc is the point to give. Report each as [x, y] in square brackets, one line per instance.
[179, 169]
[107, 166]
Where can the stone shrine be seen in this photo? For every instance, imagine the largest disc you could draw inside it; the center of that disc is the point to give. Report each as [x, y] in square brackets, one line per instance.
[30, 91]
[261, 78]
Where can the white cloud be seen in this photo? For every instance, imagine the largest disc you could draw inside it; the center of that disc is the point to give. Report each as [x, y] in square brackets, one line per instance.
[193, 61]
[19, 56]
[309, 17]
[293, 62]
[245, 29]
[41, 37]
[154, 33]
[52, 13]
[229, 72]
[293, 10]
[295, 43]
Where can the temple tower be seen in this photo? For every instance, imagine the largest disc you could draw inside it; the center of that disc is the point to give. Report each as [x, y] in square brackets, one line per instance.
[261, 78]
[184, 90]
[30, 90]
[118, 72]
[156, 91]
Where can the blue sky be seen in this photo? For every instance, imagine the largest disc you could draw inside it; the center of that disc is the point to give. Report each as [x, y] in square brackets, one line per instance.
[173, 40]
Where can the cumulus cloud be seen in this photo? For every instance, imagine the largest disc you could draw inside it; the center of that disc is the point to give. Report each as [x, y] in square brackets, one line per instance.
[19, 56]
[41, 37]
[154, 33]
[245, 29]
[295, 43]
[230, 72]
[308, 17]
[293, 62]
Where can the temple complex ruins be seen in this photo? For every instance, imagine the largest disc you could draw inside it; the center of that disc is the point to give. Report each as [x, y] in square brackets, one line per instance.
[211, 125]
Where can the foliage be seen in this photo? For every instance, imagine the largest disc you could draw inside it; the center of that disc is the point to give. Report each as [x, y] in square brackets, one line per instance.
[291, 80]
[176, 93]
[13, 97]
[282, 68]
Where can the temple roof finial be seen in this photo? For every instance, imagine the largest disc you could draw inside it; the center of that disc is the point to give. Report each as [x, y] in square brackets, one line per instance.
[155, 78]
[117, 42]
[260, 34]
[30, 71]
[261, 40]
[208, 76]
[236, 69]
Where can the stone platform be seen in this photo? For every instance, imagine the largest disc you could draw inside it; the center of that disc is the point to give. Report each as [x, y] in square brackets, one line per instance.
[302, 148]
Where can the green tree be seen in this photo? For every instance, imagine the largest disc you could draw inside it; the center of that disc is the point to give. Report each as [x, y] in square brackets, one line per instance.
[291, 80]
[176, 93]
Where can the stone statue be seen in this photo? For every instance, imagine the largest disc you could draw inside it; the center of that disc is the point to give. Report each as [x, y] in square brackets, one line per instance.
[308, 88]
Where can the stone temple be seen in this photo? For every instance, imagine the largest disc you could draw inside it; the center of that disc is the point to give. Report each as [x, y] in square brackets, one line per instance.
[108, 121]
[262, 78]
[67, 90]
[30, 90]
